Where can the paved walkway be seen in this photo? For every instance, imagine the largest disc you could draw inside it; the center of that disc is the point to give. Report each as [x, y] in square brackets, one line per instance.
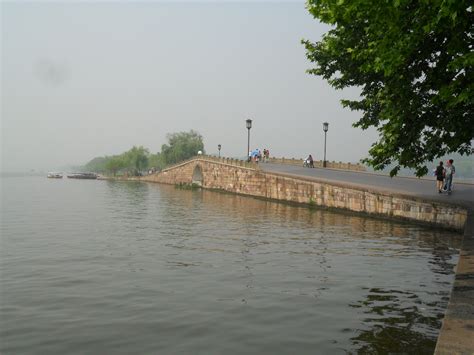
[463, 194]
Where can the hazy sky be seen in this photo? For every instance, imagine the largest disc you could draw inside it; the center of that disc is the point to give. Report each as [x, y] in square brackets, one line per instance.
[84, 79]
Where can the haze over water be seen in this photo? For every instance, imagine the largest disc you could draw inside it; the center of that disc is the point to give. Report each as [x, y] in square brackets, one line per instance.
[86, 79]
[94, 267]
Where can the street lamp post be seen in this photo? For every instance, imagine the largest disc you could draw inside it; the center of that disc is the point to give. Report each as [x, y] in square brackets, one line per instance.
[325, 129]
[248, 124]
[219, 148]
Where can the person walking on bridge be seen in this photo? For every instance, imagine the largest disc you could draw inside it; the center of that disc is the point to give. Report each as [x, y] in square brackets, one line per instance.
[439, 173]
[449, 172]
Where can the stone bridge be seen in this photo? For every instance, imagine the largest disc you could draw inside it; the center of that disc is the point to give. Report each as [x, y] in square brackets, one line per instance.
[457, 333]
[249, 179]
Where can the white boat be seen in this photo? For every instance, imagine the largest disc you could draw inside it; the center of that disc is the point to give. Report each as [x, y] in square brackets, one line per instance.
[55, 175]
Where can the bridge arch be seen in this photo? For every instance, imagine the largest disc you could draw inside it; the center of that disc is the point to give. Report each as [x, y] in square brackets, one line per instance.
[197, 175]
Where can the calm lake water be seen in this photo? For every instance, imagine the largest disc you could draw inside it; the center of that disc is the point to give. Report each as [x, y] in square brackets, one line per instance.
[101, 267]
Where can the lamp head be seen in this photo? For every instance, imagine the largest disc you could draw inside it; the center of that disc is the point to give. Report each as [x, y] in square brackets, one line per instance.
[325, 126]
[248, 123]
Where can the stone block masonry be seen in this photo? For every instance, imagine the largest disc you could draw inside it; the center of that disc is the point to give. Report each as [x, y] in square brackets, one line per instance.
[246, 179]
[457, 333]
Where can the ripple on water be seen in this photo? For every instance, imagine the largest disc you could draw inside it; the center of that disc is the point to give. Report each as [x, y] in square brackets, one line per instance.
[113, 267]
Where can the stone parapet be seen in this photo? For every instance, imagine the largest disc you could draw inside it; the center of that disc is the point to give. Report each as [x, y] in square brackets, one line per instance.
[220, 160]
[319, 164]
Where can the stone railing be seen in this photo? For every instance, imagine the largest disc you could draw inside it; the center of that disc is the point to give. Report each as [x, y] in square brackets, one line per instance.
[319, 164]
[229, 161]
[222, 160]
[288, 161]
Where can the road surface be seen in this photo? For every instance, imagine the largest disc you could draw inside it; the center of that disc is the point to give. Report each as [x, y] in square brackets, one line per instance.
[463, 193]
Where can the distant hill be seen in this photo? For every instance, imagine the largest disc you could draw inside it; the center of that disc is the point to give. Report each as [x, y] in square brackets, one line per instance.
[97, 165]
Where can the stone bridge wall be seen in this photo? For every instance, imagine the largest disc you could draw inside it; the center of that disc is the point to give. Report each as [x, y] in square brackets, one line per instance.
[244, 178]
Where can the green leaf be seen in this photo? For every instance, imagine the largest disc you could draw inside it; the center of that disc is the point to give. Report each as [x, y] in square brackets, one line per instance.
[413, 65]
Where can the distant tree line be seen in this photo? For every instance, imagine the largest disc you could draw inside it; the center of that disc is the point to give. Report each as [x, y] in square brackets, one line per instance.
[181, 146]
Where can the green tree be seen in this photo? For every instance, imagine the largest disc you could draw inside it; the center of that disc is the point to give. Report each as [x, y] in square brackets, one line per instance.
[181, 146]
[155, 161]
[115, 164]
[137, 159]
[413, 61]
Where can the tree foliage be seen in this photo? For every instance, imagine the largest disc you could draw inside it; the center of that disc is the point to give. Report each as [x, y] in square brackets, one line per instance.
[132, 162]
[181, 146]
[155, 161]
[413, 61]
[137, 159]
[114, 164]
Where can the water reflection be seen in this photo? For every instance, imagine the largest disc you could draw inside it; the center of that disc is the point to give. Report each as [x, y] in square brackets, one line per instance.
[134, 193]
[251, 211]
[144, 268]
[398, 322]
[127, 201]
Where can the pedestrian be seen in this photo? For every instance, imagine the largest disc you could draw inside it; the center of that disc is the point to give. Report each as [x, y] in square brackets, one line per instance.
[439, 173]
[449, 172]
[267, 155]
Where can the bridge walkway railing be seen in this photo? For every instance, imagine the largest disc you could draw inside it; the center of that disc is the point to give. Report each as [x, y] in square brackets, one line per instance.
[222, 160]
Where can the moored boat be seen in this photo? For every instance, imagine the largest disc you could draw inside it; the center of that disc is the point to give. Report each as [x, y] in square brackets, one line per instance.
[90, 176]
[55, 175]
